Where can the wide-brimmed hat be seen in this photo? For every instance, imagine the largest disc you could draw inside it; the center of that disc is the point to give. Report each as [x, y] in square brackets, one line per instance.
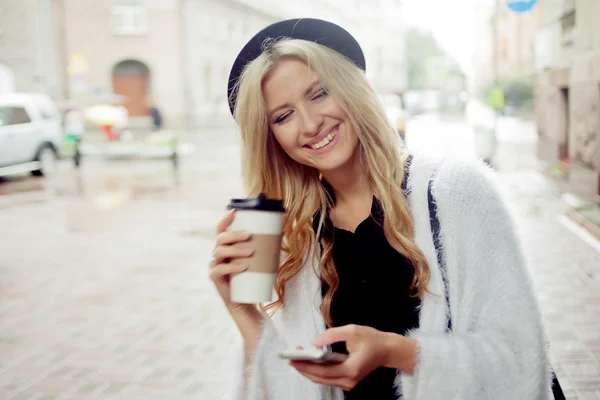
[315, 30]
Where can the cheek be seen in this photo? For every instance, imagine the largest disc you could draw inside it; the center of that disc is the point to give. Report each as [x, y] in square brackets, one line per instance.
[354, 137]
[286, 141]
[337, 111]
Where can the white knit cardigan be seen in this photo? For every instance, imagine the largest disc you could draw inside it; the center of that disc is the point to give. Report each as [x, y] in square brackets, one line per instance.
[497, 349]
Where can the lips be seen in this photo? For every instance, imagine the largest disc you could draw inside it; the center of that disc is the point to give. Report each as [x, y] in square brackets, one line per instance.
[327, 144]
[323, 138]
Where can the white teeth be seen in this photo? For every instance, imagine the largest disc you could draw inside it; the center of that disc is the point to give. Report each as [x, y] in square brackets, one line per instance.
[325, 141]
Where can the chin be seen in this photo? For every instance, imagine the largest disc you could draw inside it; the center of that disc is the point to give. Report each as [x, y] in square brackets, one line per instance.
[332, 165]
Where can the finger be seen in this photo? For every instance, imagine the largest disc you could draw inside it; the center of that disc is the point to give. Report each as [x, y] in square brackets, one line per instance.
[316, 379]
[222, 270]
[343, 383]
[334, 335]
[223, 252]
[323, 371]
[228, 238]
[225, 221]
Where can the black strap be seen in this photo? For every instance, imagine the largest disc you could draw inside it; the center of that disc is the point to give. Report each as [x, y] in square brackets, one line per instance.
[435, 230]
[556, 389]
[437, 242]
[407, 164]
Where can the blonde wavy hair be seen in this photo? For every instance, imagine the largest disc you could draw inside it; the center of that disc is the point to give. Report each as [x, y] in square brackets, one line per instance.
[268, 169]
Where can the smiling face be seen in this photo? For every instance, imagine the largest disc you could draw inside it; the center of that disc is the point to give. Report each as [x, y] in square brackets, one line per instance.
[307, 123]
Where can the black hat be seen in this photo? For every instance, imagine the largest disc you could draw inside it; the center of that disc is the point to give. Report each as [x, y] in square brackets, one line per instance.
[315, 30]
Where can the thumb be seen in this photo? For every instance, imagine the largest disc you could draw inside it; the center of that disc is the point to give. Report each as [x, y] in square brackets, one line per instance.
[332, 335]
[225, 221]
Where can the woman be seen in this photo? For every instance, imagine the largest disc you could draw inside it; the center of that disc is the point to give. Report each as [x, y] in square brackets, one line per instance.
[360, 269]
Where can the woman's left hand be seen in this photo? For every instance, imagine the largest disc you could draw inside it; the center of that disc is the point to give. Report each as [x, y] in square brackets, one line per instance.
[368, 349]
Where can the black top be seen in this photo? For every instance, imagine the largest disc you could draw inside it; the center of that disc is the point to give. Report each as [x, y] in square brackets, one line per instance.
[374, 291]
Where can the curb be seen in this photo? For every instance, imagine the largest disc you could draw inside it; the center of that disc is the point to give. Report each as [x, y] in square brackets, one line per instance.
[575, 204]
[22, 199]
[585, 223]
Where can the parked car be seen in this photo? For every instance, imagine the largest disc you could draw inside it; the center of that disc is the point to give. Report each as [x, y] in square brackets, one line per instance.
[395, 112]
[30, 134]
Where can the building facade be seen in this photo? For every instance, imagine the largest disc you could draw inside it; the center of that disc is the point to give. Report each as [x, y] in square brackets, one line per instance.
[124, 47]
[558, 44]
[568, 92]
[27, 47]
[175, 54]
[214, 32]
[513, 55]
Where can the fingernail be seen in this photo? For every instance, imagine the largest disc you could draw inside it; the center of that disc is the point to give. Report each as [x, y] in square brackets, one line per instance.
[243, 267]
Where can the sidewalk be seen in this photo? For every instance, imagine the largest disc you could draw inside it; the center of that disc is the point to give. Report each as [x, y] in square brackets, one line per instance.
[124, 312]
[520, 143]
[105, 292]
[565, 268]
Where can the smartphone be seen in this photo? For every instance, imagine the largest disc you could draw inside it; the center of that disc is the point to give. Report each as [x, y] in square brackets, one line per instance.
[315, 355]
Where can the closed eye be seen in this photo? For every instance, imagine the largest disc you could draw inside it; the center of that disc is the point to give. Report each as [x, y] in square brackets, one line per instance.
[282, 118]
[320, 94]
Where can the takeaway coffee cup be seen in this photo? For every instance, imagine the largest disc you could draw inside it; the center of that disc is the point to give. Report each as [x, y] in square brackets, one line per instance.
[263, 219]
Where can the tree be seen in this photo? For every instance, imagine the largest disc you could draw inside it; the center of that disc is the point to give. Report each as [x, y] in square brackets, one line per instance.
[421, 47]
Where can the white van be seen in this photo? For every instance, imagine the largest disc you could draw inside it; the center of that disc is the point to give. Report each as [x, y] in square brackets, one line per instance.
[30, 134]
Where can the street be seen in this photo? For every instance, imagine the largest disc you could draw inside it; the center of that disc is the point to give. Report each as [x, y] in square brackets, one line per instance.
[105, 292]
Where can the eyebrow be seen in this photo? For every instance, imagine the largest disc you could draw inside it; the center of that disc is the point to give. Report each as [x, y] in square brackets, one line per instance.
[306, 93]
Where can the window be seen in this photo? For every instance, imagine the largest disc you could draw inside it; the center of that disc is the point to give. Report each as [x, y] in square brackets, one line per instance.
[568, 29]
[46, 110]
[237, 28]
[205, 25]
[129, 17]
[222, 28]
[244, 28]
[11, 115]
[207, 82]
[503, 45]
[225, 28]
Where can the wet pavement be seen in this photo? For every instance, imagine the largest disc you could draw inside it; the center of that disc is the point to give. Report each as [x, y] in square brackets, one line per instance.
[104, 291]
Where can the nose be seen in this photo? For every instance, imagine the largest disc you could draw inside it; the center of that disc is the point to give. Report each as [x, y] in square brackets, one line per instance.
[312, 121]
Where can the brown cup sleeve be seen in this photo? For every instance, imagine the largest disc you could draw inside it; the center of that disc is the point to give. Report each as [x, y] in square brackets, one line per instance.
[267, 250]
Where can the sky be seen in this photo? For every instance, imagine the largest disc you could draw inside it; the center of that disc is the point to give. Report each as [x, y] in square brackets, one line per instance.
[452, 23]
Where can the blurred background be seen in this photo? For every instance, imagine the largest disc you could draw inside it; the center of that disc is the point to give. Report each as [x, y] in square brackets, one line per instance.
[118, 155]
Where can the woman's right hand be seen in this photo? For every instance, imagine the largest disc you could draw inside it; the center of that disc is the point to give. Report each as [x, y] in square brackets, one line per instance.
[224, 265]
